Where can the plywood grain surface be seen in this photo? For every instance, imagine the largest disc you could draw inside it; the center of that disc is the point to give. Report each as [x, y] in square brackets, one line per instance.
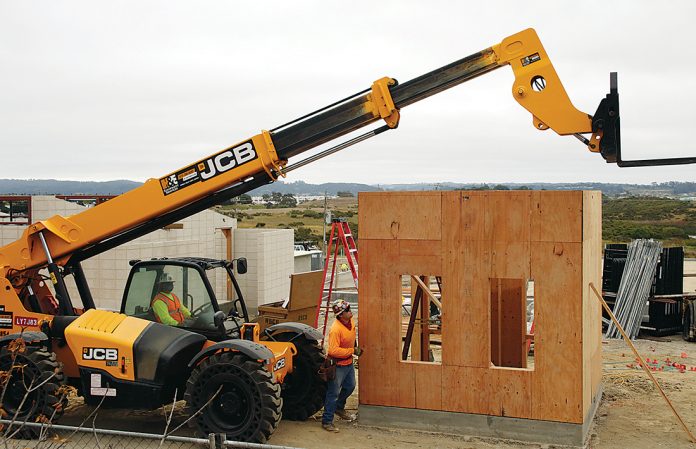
[469, 239]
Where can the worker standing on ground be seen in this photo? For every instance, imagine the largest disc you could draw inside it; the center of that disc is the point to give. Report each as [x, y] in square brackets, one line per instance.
[342, 347]
[166, 305]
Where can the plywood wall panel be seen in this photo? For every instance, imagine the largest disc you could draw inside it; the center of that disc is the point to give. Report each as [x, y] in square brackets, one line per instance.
[419, 248]
[410, 216]
[373, 301]
[429, 388]
[466, 389]
[471, 207]
[557, 272]
[510, 392]
[396, 386]
[450, 249]
[419, 265]
[509, 260]
[508, 217]
[592, 310]
[557, 216]
[407, 385]
[470, 238]
[401, 394]
[465, 321]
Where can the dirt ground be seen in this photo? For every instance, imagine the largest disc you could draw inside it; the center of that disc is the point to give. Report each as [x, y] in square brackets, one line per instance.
[632, 414]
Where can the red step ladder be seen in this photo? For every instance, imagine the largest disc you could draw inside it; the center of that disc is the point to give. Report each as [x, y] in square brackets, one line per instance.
[341, 236]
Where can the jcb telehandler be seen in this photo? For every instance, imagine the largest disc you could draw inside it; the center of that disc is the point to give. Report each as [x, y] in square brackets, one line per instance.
[215, 359]
[129, 360]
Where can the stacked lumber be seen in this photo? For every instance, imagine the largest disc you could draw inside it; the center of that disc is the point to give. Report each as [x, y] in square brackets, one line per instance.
[634, 289]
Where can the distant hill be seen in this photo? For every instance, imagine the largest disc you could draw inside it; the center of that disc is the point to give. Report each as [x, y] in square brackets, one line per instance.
[661, 189]
[55, 187]
[301, 187]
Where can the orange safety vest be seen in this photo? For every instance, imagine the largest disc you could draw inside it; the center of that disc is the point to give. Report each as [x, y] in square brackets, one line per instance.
[173, 306]
[342, 342]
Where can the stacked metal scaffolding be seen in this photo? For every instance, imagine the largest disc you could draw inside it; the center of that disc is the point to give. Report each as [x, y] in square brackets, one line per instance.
[635, 286]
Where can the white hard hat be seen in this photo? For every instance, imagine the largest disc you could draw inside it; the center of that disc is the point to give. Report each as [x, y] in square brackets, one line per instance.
[339, 306]
[166, 277]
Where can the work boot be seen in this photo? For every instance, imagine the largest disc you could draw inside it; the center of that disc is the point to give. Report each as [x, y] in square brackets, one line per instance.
[329, 427]
[345, 415]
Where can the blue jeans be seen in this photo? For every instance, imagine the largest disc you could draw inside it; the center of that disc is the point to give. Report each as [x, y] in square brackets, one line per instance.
[338, 391]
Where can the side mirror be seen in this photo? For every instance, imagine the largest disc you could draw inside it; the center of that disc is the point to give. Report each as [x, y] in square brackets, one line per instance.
[219, 318]
[241, 265]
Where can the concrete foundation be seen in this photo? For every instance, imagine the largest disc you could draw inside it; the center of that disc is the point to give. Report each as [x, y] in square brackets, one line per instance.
[527, 430]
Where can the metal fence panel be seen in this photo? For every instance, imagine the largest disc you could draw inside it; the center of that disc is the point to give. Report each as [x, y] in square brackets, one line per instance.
[70, 437]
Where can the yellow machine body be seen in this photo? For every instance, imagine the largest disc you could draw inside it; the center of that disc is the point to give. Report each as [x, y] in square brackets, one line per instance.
[104, 340]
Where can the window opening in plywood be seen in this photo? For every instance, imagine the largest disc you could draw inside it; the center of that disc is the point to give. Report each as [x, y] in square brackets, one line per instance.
[531, 325]
[512, 323]
[421, 318]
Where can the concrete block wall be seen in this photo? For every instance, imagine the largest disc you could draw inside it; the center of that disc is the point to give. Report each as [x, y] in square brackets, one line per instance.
[46, 206]
[270, 255]
[10, 233]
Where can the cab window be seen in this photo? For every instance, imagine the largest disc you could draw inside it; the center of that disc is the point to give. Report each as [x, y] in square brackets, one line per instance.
[139, 293]
[188, 288]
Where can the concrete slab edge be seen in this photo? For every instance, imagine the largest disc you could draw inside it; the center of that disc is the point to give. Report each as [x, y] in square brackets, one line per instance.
[485, 426]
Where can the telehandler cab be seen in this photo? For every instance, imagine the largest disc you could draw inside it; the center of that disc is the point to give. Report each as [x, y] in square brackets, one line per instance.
[227, 324]
[129, 360]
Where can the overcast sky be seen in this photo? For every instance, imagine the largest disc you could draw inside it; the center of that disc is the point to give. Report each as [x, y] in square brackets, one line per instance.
[137, 89]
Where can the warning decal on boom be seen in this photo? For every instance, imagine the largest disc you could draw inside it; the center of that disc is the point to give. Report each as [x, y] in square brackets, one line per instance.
[209, 168]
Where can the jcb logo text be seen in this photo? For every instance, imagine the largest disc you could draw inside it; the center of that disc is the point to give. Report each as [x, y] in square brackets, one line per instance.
[99, 354]
[227, 160]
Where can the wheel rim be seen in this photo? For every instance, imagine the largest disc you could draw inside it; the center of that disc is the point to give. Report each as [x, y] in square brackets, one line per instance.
[233, 406]
[235, 410]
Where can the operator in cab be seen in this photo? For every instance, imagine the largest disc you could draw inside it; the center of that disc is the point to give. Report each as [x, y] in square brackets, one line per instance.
[166, 305]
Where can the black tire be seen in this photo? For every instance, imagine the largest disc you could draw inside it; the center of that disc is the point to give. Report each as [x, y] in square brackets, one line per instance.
[47, 402]
[303, 390]
[249, 406]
